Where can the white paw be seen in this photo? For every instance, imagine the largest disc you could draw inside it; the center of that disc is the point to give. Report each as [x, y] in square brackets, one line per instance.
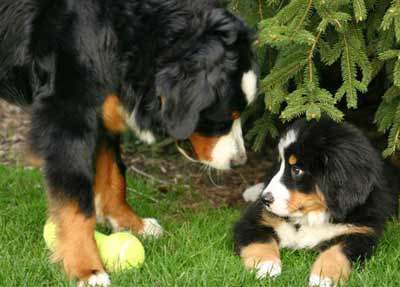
[151, 228]
[268, 269]
[316, 280]
[99, 279]
[252, 193]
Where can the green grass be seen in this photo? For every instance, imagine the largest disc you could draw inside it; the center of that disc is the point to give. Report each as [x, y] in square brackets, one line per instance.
[196, 251]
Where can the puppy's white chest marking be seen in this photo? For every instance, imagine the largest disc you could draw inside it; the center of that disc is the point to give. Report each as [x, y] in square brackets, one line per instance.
[307, 236]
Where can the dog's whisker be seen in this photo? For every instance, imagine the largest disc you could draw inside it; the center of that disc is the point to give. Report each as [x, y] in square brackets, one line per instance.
[210, 176]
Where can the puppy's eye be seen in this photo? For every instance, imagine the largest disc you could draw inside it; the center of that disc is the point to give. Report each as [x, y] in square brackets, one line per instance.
[296, 172]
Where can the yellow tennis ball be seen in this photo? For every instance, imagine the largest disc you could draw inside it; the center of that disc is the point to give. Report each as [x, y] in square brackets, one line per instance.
[50, 235]
[118, 251]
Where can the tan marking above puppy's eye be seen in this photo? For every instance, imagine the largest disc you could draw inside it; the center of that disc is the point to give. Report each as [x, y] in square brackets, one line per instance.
[292, 159]
[235, 115]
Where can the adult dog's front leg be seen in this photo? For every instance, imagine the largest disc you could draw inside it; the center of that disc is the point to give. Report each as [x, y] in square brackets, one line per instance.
[110, 193]
[72, 210]
[75, 245]
[66, 142]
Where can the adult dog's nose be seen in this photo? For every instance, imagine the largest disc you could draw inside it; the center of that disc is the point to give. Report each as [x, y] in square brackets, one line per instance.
[267, 199]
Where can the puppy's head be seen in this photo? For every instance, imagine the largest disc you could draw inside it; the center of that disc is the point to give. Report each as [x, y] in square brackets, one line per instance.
[207, 87]
[325, 169]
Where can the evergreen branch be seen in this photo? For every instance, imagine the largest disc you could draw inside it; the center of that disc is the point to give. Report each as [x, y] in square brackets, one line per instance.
[236, 6]
[396, 74]
[384, 116]
[288, 63]
[303, 18]
[391, 17]
[347, 53]
[389, 54]
[328, 54]
[288, 12]
[311, 55]
[360, 11]
[394, 135]
[262, 127]
[260, 10]
[349, 73]
[274, 99]
[392, 93]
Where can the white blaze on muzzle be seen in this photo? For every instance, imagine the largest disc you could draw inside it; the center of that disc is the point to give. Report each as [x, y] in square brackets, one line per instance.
[276, 187]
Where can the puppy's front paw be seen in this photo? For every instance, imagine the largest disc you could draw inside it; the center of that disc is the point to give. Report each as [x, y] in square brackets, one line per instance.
[99, 279]
[151, 227]
[268, 269]
[252, 193]
[316, 280]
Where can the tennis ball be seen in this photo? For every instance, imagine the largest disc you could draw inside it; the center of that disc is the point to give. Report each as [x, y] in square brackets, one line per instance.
[118, 251]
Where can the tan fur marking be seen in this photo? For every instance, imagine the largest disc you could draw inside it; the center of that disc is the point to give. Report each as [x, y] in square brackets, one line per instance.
[235, 115]
[162, 100]
[306, 203]
[113, 116]
[75, 245]
[360, 229]
[33, 159]
[333, 264]
[292, 159]
[271, 220]
[260, 252]
[110, 192]
[203, 146]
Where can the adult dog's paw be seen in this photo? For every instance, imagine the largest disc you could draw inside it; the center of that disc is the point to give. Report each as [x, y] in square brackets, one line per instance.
[268, 269]
[151, 227]
[99, 279]
[316, 280]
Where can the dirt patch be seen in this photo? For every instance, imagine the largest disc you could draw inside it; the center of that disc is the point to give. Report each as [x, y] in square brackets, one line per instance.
[14, 124]
[163, 165]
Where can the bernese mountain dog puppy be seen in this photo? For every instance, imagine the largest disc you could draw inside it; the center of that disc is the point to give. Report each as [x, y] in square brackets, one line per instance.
[88, 69]
[330, 192]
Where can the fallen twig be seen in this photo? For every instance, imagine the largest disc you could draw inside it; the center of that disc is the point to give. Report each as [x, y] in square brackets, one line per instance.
[143, 195]
[135, 169]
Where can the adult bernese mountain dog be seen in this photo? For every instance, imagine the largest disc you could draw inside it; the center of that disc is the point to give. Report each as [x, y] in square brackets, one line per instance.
[89, 68]
[330, 192]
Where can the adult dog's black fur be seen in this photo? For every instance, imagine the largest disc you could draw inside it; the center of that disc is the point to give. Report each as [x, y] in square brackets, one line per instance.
[86, 66]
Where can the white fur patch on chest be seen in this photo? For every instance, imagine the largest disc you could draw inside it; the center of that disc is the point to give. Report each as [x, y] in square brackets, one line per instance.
[249, 86]
[144, 135]
[307, 236]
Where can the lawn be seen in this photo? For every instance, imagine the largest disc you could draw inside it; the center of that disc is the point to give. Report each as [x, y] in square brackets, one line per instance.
[196, 250]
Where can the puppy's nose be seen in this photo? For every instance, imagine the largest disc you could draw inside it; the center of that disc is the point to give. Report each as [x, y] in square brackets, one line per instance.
[267, 199]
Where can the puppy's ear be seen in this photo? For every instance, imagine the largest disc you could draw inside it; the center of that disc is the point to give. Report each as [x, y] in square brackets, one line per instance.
[346, 181]
[185, 93]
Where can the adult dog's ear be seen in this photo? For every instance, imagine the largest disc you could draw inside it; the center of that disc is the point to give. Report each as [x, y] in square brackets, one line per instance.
[229, 27]
[185, 93]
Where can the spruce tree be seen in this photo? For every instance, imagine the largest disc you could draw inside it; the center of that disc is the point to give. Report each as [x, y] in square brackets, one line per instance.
[299, 41]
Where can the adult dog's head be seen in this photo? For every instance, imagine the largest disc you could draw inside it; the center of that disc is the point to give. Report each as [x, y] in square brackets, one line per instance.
[326, 170]
[206, 81]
